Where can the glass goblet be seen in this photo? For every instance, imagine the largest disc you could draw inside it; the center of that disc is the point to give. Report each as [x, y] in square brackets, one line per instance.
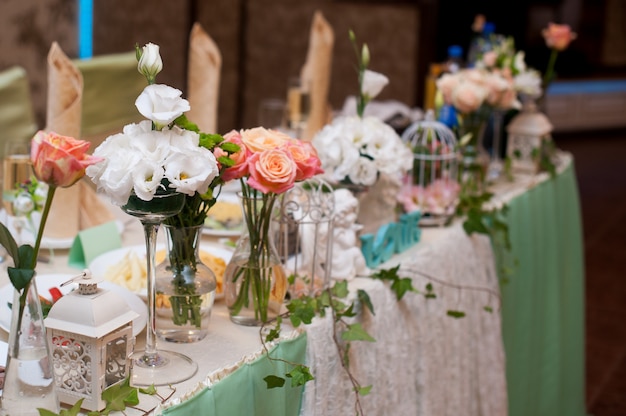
[153, 366]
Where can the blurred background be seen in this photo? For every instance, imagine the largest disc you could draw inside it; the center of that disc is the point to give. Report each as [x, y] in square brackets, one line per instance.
[264, 42]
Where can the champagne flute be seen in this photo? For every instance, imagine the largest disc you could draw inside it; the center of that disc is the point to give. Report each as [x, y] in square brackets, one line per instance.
[153, 366]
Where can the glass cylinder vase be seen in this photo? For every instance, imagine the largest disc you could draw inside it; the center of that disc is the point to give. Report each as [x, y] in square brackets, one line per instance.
[185, 288]
[28, 376]
[254, 281]
[474, 156]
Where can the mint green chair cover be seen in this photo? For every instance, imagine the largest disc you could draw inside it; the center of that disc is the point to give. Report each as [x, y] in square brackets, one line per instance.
[111, 84]
[17, 119]
[543, 302]
[244, 392]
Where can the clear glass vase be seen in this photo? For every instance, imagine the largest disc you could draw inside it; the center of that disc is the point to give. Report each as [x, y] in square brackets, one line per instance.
[254, 281]
[28, 376]
[474, 157]
[185, 288]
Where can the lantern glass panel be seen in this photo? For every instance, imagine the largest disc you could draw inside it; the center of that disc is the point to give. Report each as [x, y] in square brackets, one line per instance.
[115, 355]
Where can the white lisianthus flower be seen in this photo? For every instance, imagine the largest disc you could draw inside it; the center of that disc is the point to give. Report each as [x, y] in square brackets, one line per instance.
[519, 62]
[150, 63]
[529, 83]
[356, 150]
[23, 204]
[162, 104]
[364, 172]
[191, 171]
[373, 84]
[147, 176]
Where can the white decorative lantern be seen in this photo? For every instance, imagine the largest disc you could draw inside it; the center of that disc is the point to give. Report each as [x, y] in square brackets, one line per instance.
[526, 133]
[304, 235]
[432, 186]
[90, 334]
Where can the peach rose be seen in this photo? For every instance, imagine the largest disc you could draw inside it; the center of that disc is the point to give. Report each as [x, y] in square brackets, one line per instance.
[307, 162]
[558, 36]
[240, 168]
[60, 160]
[272, 170]
[447, 83]
[259, 139]
[489, 58]
[468, 97]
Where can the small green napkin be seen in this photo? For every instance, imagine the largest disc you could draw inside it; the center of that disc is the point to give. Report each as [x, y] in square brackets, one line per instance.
[92, 242]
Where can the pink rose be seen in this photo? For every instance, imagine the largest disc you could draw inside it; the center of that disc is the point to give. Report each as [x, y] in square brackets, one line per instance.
[308, 164]
[489, 58]
[60, 160]
[558, 36]
[259, 139]
[272, 170]
[447, 83]
[240, 168]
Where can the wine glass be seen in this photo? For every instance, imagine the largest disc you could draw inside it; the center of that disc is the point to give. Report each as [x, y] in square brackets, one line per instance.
[152, 366]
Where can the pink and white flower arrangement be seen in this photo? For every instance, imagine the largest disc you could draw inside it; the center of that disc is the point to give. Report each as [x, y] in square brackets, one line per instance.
[438, 198]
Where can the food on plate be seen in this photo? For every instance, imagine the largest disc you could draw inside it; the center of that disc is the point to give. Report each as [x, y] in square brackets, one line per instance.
[130, 272]
[224, 215]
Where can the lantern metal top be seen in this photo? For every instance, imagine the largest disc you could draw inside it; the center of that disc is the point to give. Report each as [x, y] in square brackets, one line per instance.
[90, 310]
[530, 122]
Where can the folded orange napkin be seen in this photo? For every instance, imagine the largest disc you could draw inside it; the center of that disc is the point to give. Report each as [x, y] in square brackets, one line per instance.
[203, 79]
[78, 207]
[316, 73]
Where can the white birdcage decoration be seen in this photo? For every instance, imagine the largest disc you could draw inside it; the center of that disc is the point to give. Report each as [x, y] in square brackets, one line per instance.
[304, 235]
[527, 132]
[432, 186]
[90, 332]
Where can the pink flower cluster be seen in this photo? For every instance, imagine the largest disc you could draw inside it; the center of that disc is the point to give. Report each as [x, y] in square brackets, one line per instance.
[271, 160]
[468, 89]
[437, 198]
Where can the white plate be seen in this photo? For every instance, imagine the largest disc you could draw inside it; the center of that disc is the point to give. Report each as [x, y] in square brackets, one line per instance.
[46, 242]
[227, 197]
[100, 264]
[47, 281]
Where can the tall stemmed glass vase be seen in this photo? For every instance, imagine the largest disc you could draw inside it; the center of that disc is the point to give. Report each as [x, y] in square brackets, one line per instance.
[152, 366]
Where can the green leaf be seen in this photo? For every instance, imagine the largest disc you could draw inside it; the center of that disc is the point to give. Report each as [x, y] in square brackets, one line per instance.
[340, 289]
[45, 412]
[401, 286]
[209, 141]
[272, 381]
[150, 390]
[183, 122]
[355, 332]
[230, 147]
[8, 242]
[118, 396]
[26, 254]
[300, 375]
[274, 332]
[226, 161]
[20, 278]
[488, 309]
[364, 391]
[365, 300]
[456, 314]
[300, 312]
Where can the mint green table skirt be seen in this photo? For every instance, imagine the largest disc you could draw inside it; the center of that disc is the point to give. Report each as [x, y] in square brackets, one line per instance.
[244, 393]
[543, 302]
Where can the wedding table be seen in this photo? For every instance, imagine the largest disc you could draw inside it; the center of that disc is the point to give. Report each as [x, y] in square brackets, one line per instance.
[517, 353]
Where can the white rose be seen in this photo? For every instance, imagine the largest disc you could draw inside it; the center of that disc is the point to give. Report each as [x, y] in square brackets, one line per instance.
[150, 63]
[373, 83]
[162, 104]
